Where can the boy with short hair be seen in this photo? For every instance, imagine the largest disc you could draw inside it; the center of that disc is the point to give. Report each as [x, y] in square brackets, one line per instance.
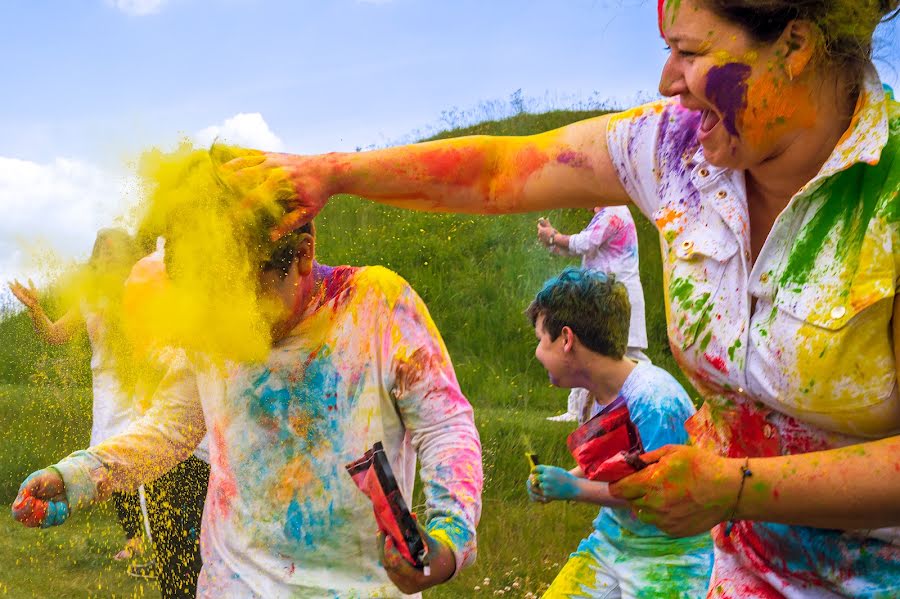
[581, 320]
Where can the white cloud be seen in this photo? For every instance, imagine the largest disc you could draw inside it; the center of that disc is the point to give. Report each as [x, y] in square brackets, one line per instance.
[55, 209]
[138, 8]
[248, 129]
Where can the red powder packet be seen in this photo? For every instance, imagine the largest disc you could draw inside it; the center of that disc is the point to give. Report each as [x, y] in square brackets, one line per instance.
[373, 475]
[607, 447]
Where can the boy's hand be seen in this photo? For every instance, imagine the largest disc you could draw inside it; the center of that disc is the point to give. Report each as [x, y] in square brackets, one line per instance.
[548, 483]
[42, 500]
[410, 579]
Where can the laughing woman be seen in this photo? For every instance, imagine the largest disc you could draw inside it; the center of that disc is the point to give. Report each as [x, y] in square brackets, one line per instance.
[772, 173]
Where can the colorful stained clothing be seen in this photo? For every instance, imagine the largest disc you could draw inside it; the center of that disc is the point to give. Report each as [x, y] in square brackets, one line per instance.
[282, 516]
[609, 243]
[792, 353]
[623, 557]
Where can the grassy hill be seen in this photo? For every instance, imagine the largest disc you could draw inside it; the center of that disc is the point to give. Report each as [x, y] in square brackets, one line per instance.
[477, 275]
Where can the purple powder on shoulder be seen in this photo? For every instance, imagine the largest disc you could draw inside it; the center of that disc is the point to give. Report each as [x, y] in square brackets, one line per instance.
[726, 87]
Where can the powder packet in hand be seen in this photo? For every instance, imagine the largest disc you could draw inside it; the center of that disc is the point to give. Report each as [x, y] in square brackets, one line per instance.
[608, 446]
[373, 475]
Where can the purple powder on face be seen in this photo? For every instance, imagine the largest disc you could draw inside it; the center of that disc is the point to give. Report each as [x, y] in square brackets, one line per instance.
[726, 87]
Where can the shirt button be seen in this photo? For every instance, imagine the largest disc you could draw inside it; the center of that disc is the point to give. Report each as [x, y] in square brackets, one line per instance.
[838, 312]
[704, 172]
[740, 390]
[721, 194]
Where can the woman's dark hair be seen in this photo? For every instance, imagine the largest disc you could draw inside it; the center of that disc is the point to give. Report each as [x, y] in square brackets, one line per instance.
[847, 26]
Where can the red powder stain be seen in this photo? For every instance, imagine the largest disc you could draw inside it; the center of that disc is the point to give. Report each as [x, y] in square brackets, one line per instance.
[337, 284]
[529, 160]
[460, 166]
[221, 483]
[717, 362]
[660, 12]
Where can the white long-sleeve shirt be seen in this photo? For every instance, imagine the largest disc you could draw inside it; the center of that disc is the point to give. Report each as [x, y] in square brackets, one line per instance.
[282, 516]
[609, 243]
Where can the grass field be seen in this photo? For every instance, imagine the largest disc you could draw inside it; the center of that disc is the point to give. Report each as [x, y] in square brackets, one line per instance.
[477, 275]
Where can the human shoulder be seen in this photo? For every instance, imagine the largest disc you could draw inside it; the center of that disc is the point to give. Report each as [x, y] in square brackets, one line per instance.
[381, 282]
[652, 388]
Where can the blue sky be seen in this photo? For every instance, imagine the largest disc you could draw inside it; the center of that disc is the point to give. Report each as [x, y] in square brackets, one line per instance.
[89, 84]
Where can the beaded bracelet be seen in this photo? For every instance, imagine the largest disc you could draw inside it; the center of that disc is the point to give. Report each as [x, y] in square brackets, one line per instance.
[745, 474]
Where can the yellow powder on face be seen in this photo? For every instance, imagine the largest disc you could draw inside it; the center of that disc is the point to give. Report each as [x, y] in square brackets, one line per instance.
[206, 300]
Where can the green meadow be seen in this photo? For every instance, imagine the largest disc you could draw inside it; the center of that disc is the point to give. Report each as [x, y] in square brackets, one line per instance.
[477, 275]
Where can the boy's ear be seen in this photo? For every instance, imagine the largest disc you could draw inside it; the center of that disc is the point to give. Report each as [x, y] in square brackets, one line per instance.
[306, 253]
[568, 339]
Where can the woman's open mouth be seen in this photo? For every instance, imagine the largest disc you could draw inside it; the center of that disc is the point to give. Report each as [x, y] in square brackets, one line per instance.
[708, 122]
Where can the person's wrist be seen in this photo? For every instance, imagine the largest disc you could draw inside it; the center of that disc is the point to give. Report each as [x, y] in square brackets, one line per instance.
[737, 475]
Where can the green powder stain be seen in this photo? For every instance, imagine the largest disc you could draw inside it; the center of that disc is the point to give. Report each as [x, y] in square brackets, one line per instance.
[849, 202]
[733, 348]
[681, 289]
[705, 342]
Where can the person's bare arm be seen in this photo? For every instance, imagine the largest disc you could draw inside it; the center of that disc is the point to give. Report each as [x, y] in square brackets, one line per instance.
[52, 332]
[566, 167]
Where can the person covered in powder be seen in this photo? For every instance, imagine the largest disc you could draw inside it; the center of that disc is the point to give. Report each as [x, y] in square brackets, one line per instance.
[609, 244]
[355, 359]
[581, 321]
[113, 409]
[771, 170]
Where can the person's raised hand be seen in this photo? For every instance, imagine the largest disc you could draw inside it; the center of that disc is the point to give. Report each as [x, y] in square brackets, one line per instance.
[550, 483]
[27, 295]
[41, 500]
[298, 185]
[684, 491]
[408, 578]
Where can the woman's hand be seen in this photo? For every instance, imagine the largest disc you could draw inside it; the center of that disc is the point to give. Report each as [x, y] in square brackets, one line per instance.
[298, 184]
[684, 491]
[27, 295]
[549, 483]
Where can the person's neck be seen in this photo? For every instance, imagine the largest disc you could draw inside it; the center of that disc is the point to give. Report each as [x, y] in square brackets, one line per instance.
[303, 297]
[799, 159]
[607, 376]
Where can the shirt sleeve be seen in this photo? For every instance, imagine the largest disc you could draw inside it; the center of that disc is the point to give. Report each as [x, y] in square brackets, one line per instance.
[441, 425]
[601, 228]
[165, 436]
[632, 138]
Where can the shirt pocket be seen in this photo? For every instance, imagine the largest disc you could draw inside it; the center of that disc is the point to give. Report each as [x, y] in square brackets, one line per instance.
[697, 265]
[841, 348]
